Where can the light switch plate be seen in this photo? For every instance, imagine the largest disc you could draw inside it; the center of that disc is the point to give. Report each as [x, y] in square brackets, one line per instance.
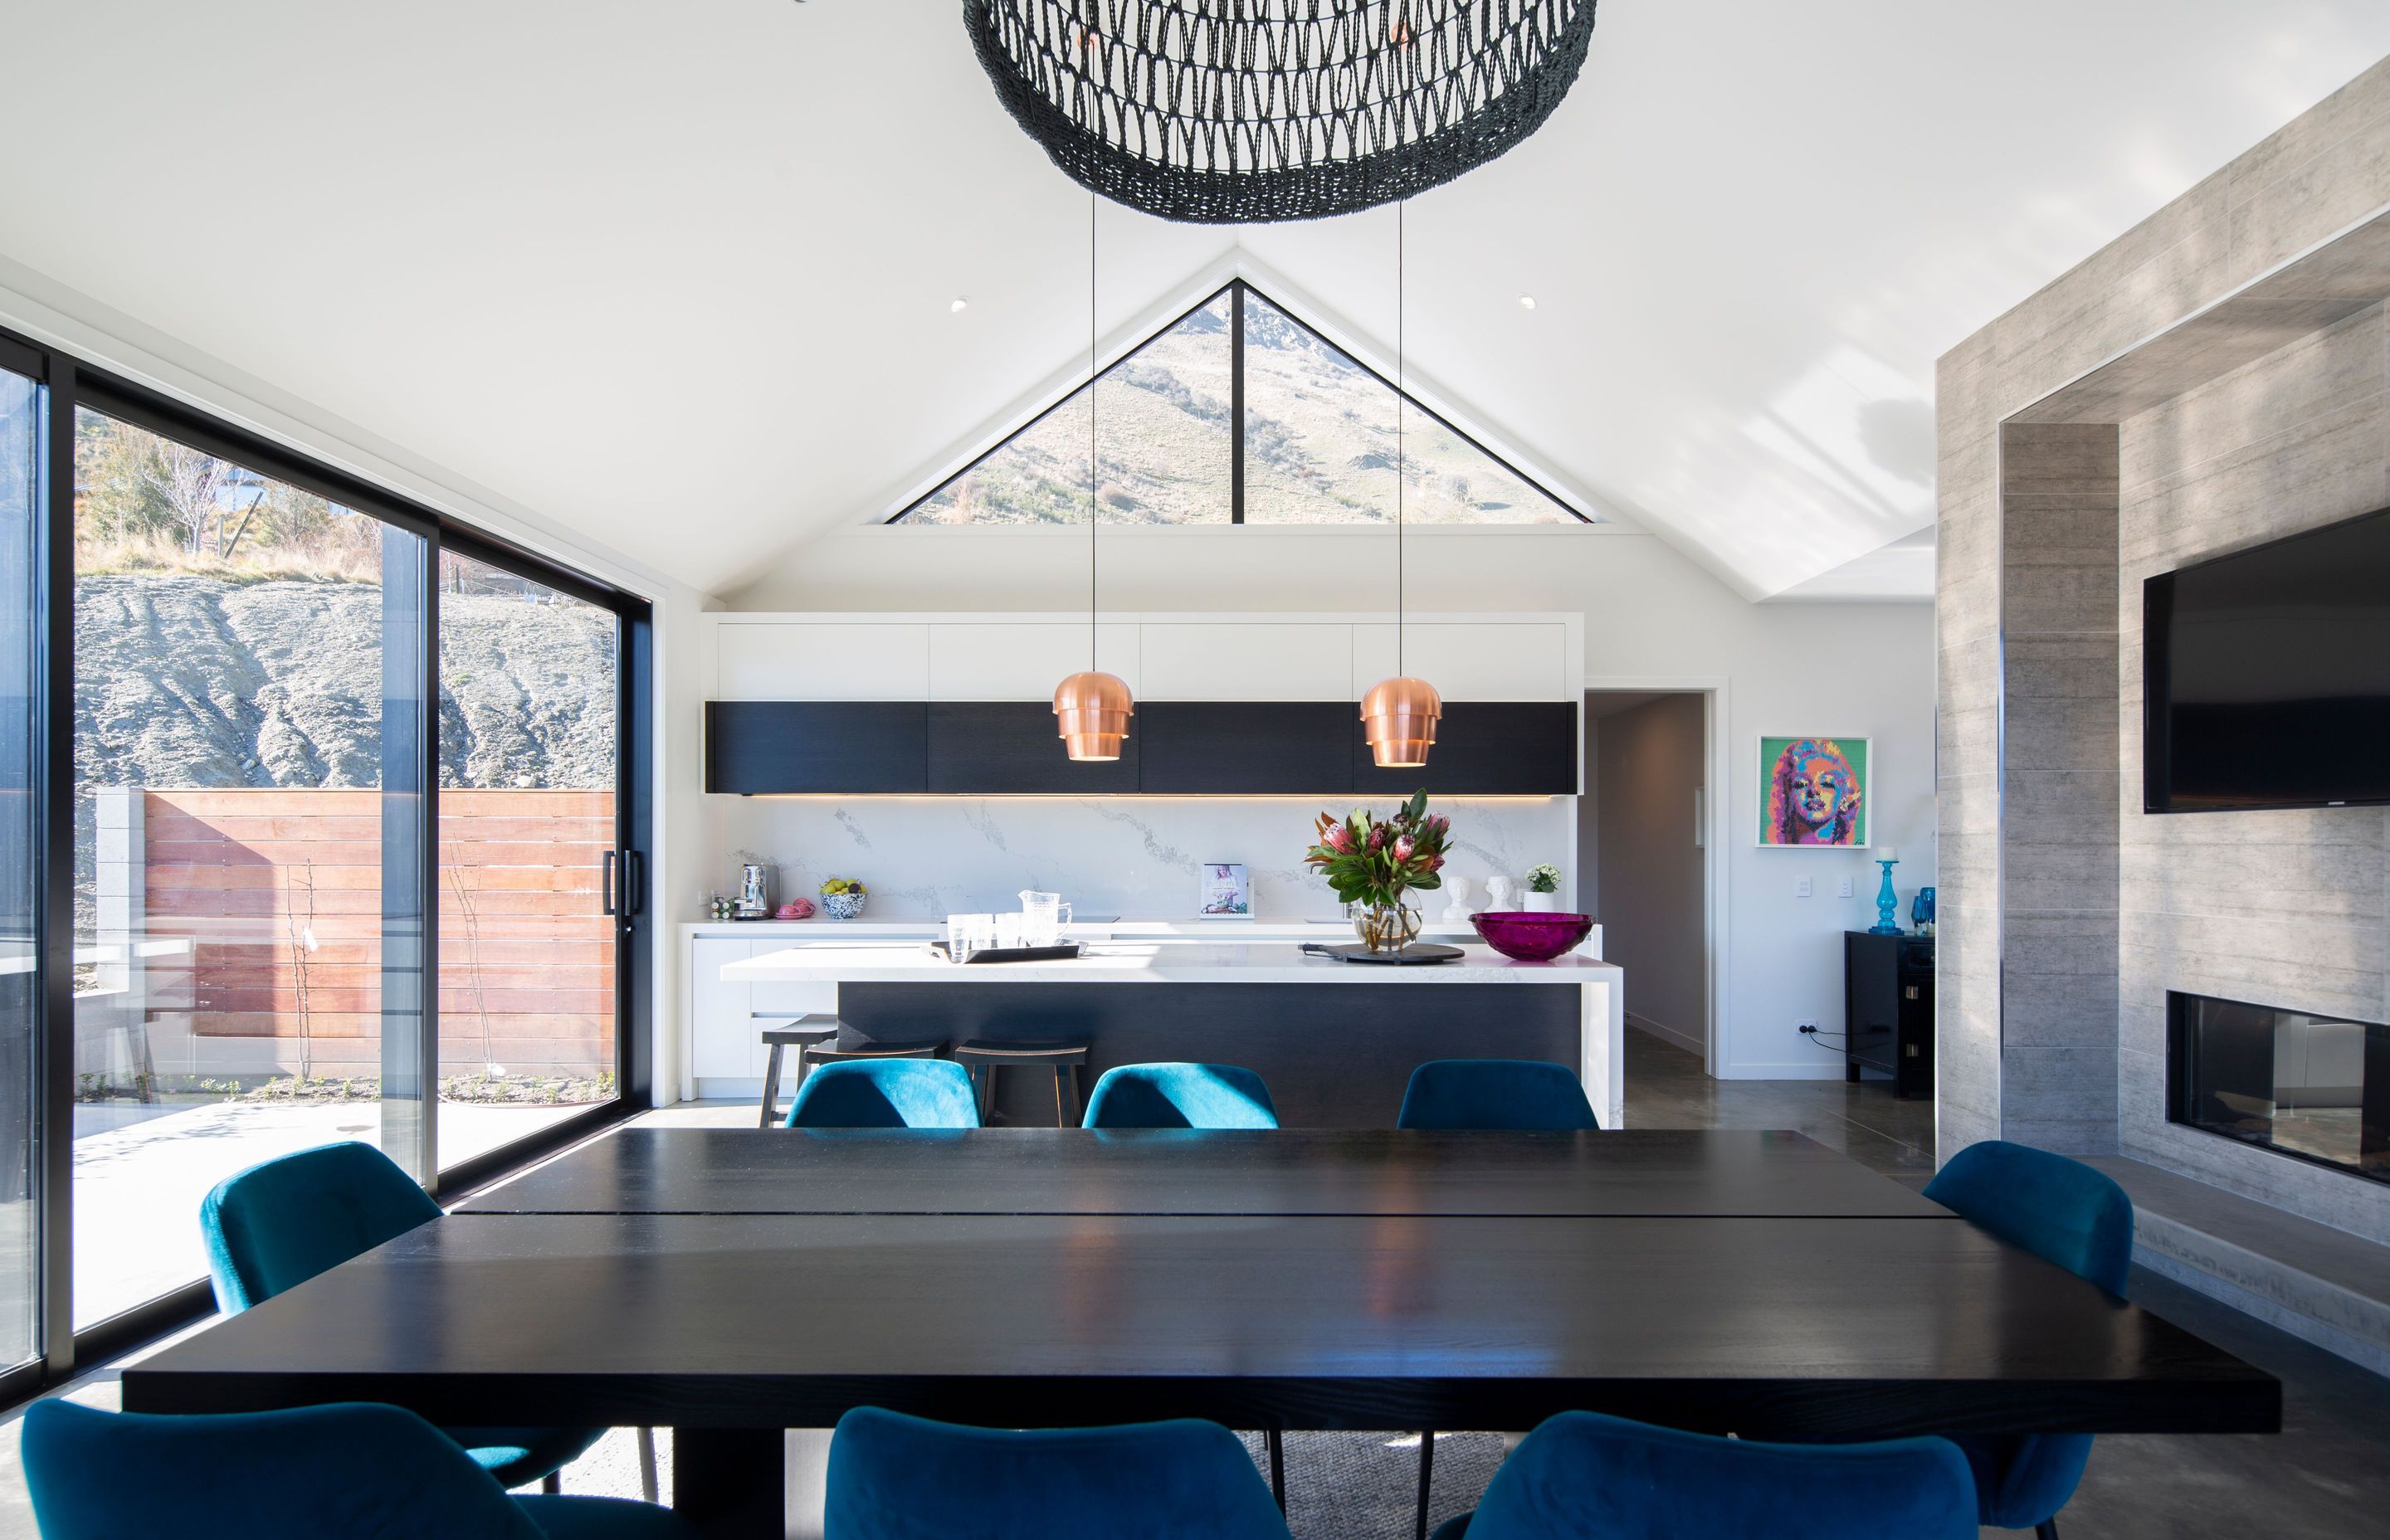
[1842, 888]
[1801, 888]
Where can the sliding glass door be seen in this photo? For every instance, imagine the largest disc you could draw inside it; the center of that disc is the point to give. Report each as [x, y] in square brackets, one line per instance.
[532, 872]
[20, 844]
[248, 937]
[320, 819]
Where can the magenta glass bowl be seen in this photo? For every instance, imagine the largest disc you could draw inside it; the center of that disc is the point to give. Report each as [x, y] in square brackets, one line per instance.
[1531, 936]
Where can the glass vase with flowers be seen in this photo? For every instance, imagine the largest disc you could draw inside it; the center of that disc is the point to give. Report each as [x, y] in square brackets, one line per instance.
[1374, 862]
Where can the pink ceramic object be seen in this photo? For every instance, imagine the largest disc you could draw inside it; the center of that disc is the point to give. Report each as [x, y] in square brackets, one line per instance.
[1531, 937]
[797, 908]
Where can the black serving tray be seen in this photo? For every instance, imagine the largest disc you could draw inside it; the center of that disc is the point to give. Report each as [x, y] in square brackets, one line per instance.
[1011, 954]
[1416, 954]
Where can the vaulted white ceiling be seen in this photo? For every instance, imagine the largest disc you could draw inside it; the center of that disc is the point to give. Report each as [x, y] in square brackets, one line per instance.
[679, 275]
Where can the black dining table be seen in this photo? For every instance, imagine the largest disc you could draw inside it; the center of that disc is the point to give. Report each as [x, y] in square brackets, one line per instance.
[732, 1284]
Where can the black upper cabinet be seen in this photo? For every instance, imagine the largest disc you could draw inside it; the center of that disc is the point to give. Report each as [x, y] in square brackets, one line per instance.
[1486, 749]
[1248, 748]
[1174, 748]
[780, 746]
[986, 747]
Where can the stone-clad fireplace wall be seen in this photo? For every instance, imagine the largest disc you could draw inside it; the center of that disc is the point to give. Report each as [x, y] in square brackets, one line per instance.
[2062, 925]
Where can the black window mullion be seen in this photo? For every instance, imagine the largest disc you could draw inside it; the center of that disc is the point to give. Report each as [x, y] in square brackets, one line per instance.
[53, 917]
[1236, 402]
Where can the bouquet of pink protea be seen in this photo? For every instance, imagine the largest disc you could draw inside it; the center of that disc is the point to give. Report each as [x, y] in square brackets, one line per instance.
[1374, 863]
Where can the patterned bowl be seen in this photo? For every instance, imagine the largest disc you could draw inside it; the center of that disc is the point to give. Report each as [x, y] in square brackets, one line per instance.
[1531, 937]
[842, 905]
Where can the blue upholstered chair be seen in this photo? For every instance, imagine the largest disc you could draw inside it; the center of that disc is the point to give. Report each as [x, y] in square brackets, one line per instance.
[279, 1224]
[338, 1473]
[893, 1476]
[1516, 1094]
[1181, 1096]
[1496, 1093]
[1582, 1475]
[2064, 1212]
[887, 1093]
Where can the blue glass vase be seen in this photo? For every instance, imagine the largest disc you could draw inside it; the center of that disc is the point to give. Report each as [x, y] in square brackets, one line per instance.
[1886, 904]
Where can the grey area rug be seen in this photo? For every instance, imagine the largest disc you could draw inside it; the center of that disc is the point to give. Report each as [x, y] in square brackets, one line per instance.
[1364, 1486]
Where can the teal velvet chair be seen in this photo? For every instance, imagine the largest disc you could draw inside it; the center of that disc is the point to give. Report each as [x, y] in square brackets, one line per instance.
[893, 1476]
[1585, 1474]
[886, 1093]
[1520, 1095]
[2066, 1212]
[338, 1473]
[279, 1224]
[1181, 1096]
[1496, 1093]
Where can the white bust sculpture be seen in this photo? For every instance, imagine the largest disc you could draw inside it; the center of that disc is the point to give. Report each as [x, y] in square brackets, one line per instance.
[1458, 906]
[1497, 894]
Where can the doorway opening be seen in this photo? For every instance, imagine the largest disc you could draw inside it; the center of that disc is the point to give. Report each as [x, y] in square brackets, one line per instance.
[1644, 847]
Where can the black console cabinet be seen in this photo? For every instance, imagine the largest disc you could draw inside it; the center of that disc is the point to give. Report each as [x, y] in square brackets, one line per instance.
[1888, 1009]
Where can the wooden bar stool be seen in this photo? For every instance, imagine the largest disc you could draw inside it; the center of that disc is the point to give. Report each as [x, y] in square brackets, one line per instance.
[800, 1031]
[1064, 1056]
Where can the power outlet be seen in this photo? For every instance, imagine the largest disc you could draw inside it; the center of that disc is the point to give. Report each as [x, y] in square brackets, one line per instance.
[1801, 888]
[1809, 1026]
[1842, 888]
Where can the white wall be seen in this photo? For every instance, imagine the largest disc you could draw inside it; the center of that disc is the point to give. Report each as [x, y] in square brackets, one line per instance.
[1651, 619]
[1649, 760]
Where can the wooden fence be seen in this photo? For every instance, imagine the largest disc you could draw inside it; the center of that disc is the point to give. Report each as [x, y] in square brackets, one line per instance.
[280, 894]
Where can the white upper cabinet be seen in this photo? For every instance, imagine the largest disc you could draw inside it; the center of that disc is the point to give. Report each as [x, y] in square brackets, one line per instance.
[823, 661]
[1253, 660]
[1024, 660]
[1469, 659]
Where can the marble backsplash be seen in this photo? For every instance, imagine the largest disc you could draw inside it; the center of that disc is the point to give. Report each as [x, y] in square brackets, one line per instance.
[924, 857]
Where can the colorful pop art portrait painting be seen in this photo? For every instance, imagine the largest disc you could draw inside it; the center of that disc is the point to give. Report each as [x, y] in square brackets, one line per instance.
[1813, 792]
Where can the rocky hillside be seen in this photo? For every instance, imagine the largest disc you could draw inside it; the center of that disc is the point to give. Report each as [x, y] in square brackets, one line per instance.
[190, 681]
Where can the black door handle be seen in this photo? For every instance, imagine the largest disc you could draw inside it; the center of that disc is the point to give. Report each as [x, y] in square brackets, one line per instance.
[635, 883]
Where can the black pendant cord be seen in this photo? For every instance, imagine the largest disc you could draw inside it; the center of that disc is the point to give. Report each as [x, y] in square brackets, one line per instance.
[1399, 206]
[1092, 377]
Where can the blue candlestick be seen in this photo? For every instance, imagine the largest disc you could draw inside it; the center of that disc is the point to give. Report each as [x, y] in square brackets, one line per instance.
[1885, 903]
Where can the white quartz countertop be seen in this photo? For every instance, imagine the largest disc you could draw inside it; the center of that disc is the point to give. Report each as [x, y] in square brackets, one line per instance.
[1152, 961]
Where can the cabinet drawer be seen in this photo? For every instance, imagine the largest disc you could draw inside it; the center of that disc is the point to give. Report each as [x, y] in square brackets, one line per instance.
[1484, 747]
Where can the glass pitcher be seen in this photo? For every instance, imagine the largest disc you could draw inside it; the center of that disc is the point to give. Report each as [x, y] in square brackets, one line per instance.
[1042, 918]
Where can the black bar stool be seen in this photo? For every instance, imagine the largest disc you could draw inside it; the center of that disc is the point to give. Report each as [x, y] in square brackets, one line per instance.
[1064, 1056]
[801, 1033]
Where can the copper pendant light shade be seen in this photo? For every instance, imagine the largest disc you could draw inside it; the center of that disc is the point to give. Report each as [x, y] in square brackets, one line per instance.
[1399, 715]
[1398, 718]
[1093, 710]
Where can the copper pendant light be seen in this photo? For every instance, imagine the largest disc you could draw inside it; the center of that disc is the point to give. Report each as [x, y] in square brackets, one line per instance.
[1399, 715]
[1092, 708]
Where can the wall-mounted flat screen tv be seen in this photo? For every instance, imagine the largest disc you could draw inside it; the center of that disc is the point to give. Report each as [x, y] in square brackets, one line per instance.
[2268, 675]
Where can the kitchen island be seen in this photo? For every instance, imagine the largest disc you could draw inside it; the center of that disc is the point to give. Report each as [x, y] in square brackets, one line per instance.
[1335, 1041]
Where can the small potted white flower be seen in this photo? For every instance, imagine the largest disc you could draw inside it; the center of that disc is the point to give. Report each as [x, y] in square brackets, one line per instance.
[1543, 888]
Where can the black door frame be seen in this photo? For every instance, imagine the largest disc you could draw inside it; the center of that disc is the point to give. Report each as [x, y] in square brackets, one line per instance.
[69, 383]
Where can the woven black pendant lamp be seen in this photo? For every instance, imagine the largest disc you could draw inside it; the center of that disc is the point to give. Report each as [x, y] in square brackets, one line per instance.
[1250, 111]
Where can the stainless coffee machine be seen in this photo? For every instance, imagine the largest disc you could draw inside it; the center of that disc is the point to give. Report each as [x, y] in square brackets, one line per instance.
[755, 890]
